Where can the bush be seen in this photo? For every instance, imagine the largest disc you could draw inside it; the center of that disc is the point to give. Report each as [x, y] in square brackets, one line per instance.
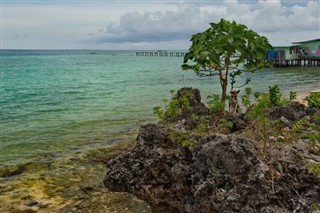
[215, 104]
[314, 100]
[275, 95]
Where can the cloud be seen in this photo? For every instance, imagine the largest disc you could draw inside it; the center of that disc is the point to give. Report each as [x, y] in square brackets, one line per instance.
[268, 17]
[136, 24]
[169, 25]
[273, 17]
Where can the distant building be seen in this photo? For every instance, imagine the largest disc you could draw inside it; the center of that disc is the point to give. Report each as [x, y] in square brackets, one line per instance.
[303, 53]
[310, 48]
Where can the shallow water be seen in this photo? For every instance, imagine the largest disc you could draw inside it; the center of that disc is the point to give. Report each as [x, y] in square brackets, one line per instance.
[55, 103]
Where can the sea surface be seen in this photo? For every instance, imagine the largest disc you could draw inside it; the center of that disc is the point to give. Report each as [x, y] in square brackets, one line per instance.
[56, 102]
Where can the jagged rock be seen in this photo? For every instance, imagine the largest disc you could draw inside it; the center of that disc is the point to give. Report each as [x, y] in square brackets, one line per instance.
[193, 95]
[292, 111]
[219, 173]
[239, 121]
[196, 107]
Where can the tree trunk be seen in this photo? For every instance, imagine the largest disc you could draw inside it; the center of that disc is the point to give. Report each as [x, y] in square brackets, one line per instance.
[224, 90]
[224, 84]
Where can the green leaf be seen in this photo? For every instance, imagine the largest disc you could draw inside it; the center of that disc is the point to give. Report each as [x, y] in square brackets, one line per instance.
[211, 50]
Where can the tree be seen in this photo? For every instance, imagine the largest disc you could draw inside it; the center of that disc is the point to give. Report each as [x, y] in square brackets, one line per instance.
[212, 52]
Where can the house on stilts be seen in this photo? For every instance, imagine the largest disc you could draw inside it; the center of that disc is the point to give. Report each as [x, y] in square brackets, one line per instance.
[303, 53]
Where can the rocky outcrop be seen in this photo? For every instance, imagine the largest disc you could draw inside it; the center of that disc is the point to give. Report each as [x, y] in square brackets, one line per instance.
[293, 111]
[218, 173]
[187, 104]
[182, 165]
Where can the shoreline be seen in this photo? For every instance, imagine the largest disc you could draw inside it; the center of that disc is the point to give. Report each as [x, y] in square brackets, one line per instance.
[69, 183]
[301, 98]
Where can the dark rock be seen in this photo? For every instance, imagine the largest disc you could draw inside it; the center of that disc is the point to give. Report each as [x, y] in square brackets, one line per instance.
[292, 111]
[219, 173]
[239, 121]
[32, 203]
[193, 95]
[196, 106]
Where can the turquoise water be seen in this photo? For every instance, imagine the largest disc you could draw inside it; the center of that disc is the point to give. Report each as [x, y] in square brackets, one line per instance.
[57, 102]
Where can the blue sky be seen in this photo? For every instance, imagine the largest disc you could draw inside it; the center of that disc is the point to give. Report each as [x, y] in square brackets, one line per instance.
[147, 24]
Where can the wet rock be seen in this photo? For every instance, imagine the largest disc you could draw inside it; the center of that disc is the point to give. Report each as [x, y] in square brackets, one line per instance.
[32, 203]
[218, 173]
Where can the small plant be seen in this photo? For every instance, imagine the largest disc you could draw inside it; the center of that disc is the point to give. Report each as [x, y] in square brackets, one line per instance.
[173, 107]
[248, 91]
[260, 108]
[245, 99]
[259, 113]
[184, 143]
[224, 126]
[275, 95]
[307, 128]
[314, 100]
[215, 103]
[314, 137]
[314, 207]
[158, 111]
[202, 125]
[180, 138]
[257, 95]
[185, 102]
[314, 168]
[292, 95]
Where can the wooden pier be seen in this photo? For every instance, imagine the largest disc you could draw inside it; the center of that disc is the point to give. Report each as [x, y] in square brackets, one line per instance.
[162, 53]
[297, 62]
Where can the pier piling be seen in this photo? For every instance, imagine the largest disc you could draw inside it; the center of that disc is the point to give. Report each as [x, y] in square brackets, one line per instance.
[161, 53]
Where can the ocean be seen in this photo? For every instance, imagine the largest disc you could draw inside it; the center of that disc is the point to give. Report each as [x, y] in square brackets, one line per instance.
[57, 102]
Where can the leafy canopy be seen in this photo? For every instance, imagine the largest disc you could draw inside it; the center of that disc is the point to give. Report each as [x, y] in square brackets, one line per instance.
[212, 52]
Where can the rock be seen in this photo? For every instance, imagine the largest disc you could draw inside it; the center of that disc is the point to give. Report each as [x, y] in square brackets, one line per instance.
[239, 121]
[32, 203]
[218, 173]
[195, 106]
[193, 95]
[292, 111]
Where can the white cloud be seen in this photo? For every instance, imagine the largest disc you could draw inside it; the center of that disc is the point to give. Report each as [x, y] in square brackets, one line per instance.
[125, 25]
[168, 25]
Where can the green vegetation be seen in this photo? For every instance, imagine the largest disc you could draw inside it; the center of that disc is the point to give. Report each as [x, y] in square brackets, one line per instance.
[157, 110]
[215, 103]
[260, 126]
[173, 108]
[275, 95]
[212, 52]
[314, 168]
[314, 207]
[245, 99]
[292, 95]
[180, 138]
[314, 100]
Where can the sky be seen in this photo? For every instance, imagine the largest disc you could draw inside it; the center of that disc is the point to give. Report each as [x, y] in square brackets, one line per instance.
[148, 24]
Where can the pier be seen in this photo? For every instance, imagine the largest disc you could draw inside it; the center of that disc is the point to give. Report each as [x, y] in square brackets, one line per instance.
[162, 53]
[303, 61]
